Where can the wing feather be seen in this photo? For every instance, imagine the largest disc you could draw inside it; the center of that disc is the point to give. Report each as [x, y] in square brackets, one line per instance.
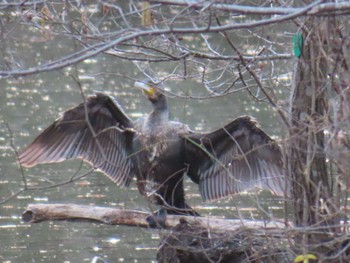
[233, 159]
[94, 132]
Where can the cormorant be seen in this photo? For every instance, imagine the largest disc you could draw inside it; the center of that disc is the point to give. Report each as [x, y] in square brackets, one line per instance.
[160, 152]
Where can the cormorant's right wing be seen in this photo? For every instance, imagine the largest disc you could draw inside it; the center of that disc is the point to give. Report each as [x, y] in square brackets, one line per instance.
[235, 158]
[97, 131]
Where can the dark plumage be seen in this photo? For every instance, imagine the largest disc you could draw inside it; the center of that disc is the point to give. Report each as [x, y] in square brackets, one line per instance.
[159, 152]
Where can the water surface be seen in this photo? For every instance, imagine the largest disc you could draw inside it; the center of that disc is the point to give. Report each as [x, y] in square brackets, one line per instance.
[29, 104]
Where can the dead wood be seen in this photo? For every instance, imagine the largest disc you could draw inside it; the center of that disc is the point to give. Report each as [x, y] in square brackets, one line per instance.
[192, 239]
[36, 213]
[189, 242]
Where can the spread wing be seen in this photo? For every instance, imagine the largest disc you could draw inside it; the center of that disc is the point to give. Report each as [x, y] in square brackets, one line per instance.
[235, 158]
[95, 132]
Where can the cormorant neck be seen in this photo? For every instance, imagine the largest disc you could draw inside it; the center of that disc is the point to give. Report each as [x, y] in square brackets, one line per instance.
[160, 112]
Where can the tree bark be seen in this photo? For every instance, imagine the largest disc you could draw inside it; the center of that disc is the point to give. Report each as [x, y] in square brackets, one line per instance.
[309, 119]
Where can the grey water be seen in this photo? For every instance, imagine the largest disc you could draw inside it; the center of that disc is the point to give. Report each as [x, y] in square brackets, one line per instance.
[31, 103]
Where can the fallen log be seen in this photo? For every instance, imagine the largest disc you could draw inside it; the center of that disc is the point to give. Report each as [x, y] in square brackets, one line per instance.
[36, 213]
[192, 239]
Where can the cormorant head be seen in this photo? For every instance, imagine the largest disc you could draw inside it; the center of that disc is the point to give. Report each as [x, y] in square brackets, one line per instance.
[151, 90]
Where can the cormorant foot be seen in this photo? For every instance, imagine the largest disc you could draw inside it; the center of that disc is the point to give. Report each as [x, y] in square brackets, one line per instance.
[157, 220]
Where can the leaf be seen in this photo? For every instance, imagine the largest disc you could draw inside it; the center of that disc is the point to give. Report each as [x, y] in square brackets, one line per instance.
[46, 14]
[304, 258]
[146, 19]
[298, 45]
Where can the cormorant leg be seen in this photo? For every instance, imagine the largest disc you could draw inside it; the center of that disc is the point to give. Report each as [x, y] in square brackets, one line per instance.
[158, 219]
[191, 211]
[184, 209]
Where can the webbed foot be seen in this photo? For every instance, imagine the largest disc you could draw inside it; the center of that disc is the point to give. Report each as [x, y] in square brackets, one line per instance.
[157, 220]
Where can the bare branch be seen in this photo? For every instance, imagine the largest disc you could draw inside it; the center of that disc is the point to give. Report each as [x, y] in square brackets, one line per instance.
[127, 35]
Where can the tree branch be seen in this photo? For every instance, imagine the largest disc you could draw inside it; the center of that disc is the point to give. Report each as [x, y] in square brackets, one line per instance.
[36, 213]
[127, 35]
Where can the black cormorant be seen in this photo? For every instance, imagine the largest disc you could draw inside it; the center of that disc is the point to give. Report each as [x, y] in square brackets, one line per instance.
[159, 152]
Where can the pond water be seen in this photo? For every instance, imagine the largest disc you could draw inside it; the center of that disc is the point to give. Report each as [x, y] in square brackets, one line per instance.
[29, 104]
[28, 107]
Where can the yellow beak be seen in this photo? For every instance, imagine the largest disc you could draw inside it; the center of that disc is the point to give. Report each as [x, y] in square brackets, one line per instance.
[147, 89]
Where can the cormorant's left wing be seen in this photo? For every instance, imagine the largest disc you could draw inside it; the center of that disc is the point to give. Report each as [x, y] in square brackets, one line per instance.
[97, 131]
[235, 158]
